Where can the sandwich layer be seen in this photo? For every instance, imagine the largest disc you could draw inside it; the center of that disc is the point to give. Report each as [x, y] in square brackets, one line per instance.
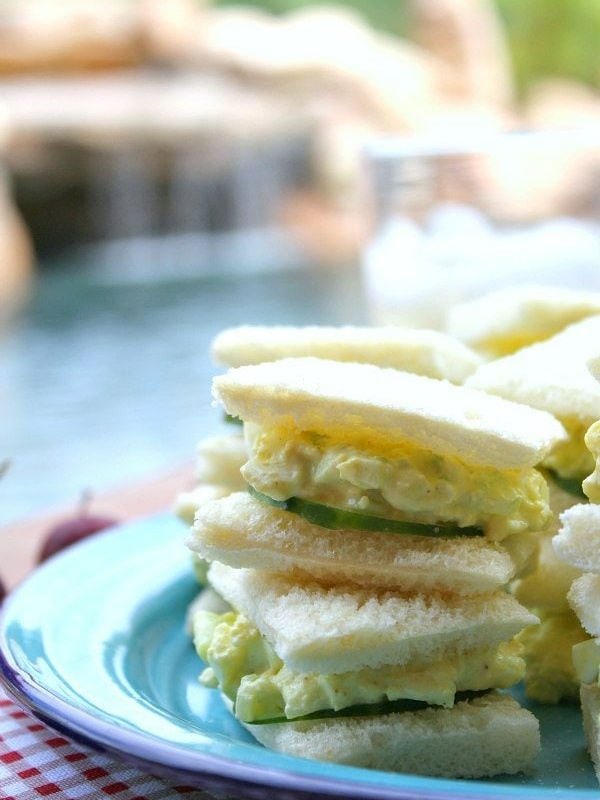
[547, 648]
[586, 660]
[245, 668]
[553, 376]
[584, 598]
[187, 503]
[578, 538]
[240, 531]
[217, 473]
[508, 319]
[404, 483]
[550, 676]
[338, 629]
[219, 460]
[424, 352]
[479, 738]
[372, 407]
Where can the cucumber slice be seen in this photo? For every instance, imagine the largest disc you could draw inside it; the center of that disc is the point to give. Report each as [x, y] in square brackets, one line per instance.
[338, 519]
[569, 485]
[231, 420]
[368, 710]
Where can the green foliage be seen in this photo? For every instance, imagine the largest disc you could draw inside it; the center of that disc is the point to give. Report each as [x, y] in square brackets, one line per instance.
[553, 38]
[386, 15]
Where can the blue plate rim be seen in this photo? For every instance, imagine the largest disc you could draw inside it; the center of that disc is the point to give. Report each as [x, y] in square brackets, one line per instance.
[207, 770]
[219, 772]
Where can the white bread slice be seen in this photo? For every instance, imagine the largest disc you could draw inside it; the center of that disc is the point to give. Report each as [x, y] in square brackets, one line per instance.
[343, 628]
[425, 352]
[578, 539]
[187, 503]
[219, 460]
[590, 708]
[487, 736]
[386, 406]
[584, 599]
[243, 532]
[217, 474]
[552, 375]
[516, 316]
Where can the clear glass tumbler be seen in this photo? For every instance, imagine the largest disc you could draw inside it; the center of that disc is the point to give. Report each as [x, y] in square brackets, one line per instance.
[456, 219]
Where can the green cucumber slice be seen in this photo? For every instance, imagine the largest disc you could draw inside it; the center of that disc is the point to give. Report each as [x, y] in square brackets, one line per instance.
[231, 420]
[338, 519]
[569, 485]
[368, 710]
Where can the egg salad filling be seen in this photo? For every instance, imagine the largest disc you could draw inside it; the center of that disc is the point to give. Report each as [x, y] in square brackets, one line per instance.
[591, 484]
[407, 482]
[247, 670]
[550, 676]
[571, 458]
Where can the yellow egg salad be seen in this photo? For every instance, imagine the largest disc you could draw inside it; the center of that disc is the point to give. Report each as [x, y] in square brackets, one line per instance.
[406, 482]
[243, 665]
[591, 484]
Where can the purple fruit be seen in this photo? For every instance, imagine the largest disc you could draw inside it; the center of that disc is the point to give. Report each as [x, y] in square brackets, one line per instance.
[73, 530]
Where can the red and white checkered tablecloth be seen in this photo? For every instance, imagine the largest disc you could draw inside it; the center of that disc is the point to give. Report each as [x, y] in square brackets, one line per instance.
[36, 762]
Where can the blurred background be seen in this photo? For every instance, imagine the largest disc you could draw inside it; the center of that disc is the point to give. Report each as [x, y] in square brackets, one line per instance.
[172, 167]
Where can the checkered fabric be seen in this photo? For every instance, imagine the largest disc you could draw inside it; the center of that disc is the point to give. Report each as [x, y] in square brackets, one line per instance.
[36, 762]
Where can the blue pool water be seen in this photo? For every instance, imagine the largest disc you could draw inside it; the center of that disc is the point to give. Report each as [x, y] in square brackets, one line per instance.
[105, 380]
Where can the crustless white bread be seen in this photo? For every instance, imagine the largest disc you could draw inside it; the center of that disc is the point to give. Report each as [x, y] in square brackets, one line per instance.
[424, 352]
[483, 737]
[318, 629]
[508, 319]
[552, 375]
[242, 532]
[388, 406]
[327, 616]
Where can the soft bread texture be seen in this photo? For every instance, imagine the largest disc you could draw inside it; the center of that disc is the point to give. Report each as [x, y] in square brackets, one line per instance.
[243, 532]
[487, 736]
[219, 460]
[343, 628]
[343, 400]
[578, 539]
[217, 473]
[516, 316]
[590, 708]
[187, 503]
[425, 352]
[552, 375]
[584, 599]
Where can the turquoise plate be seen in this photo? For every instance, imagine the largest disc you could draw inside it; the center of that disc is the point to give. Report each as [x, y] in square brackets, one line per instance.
[94, 644]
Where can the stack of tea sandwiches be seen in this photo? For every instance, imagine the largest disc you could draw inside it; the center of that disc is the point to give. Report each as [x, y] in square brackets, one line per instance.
[359, 610]
[577, 544]
[550, 373]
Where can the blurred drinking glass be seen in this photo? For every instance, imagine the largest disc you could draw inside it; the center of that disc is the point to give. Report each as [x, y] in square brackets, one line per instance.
[455, 219]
